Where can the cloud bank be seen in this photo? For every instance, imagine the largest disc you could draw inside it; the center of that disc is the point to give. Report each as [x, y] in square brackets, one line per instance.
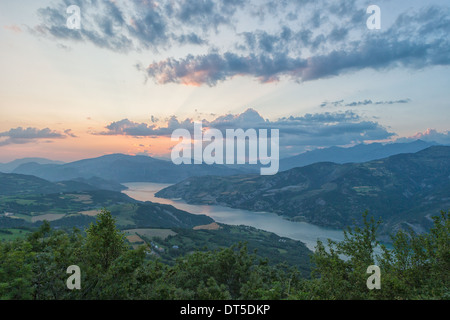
[297, 133]
[295, 40]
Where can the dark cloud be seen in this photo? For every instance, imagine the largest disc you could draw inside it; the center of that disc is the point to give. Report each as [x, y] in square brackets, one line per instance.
[206, 14]
[102, 23]
[283, 9]
[328, 38]
[191, 38]
[21, 135]
[327, 129]
[423, 43]
[296, 133]
[379, 52]
[248, 119]
[359, 103]
[124, 26]
[338, 34]
[130, 128]
[212, 68]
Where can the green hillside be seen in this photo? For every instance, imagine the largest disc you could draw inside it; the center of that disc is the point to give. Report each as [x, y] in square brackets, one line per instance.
[404, 190]
[30, 201]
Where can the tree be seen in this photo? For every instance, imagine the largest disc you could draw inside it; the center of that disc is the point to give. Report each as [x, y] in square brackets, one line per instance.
[15, 270]
[418, 266]
[342, 269]
[104, 242]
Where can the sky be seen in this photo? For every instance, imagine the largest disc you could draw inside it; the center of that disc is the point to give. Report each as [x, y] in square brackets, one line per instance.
[137, 70]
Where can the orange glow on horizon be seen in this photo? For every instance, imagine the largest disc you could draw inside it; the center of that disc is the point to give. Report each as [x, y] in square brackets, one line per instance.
[87, 146]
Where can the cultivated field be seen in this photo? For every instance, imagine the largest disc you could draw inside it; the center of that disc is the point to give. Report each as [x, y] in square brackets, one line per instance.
[48, 217]
[151, 233]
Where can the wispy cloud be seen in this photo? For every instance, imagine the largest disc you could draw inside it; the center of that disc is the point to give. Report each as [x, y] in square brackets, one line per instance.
[366, 102]
[14, 28]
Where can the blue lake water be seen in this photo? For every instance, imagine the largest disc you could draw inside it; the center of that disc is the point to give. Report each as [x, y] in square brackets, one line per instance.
[305, 232]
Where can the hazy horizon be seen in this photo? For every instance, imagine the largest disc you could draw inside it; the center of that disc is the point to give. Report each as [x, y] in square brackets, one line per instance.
[169, 159]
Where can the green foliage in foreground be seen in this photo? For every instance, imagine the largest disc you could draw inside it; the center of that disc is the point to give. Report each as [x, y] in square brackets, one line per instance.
[265, 244]
[417, 267]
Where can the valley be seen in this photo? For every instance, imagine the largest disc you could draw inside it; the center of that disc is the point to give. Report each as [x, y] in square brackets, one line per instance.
[403, 190]
[28, 201]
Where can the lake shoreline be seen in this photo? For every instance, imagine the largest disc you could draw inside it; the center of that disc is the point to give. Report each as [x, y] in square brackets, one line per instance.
[267, 221]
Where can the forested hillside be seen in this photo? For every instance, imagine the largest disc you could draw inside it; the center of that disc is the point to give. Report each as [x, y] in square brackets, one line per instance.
[416, 267]
[404, 190]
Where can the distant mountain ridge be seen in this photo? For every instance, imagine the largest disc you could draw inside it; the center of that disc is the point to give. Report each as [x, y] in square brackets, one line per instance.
[10, 166]
[356, 154]
[123, 168]
[404, 190]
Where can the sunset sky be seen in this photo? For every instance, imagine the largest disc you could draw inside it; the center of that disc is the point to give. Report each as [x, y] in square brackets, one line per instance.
[137, 70]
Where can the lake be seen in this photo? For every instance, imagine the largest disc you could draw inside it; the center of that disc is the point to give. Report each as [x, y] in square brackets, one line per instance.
[305, 232]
